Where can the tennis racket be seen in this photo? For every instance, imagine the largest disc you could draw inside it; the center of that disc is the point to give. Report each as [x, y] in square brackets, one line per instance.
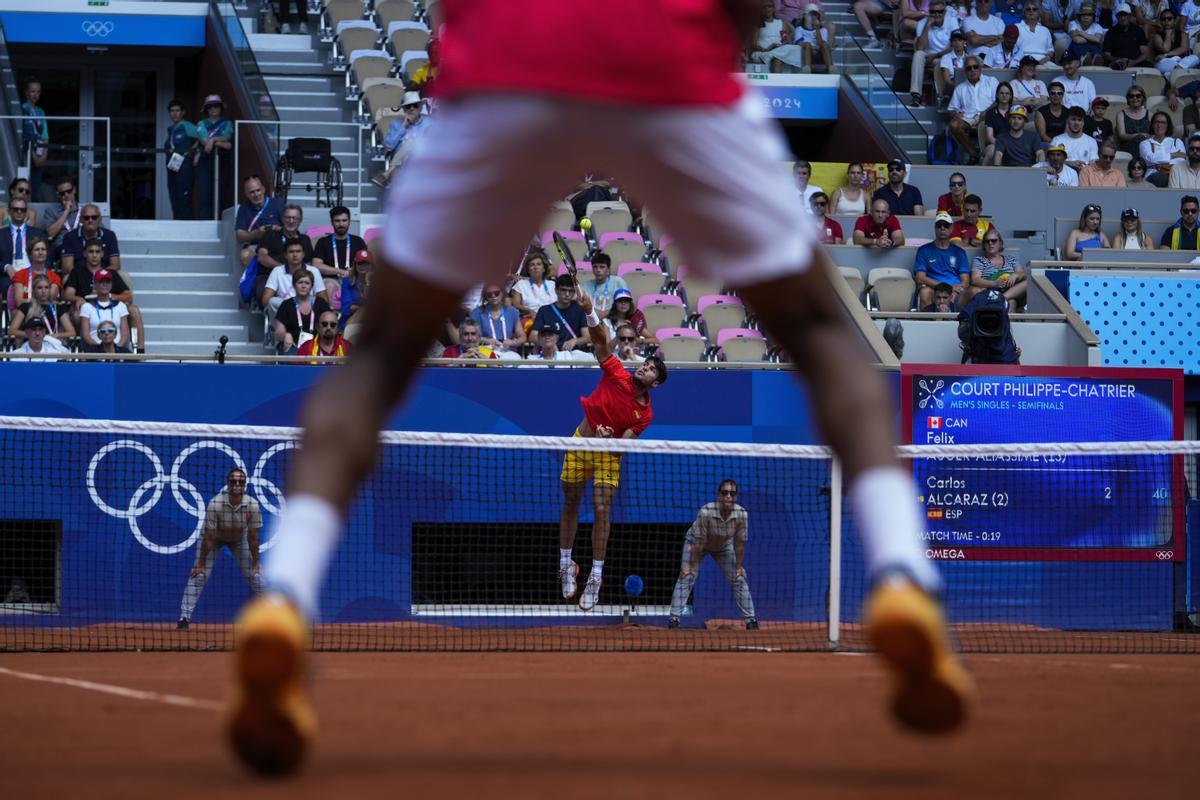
[564, 253]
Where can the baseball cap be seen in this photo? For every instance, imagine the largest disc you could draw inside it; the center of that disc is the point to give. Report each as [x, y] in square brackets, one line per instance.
[212, 100]
[1027, 60]
[1018, 111]
[1101, 100]
[896, 163]
[1130, 213]
[35, 322]
[547, 328]
[102, 275]
[1012, 31]
[622, 294]
[1123, 9]
[942, 216]
[361, 256]
[957, 34]
[1056, 148]
[411, 99]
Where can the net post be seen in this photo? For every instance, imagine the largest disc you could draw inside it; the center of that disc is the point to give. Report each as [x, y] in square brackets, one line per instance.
[835, 551]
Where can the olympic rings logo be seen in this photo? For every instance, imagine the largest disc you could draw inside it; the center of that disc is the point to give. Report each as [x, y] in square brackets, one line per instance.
[269, 497]
[94, 28]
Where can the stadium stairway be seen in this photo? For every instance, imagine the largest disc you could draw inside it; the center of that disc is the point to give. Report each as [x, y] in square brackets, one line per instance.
[181, 279]
[309, 96]
[871, 70]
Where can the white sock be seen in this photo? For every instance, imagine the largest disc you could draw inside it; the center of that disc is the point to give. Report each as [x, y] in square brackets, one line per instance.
[564, 558]
[302, 548]
[597, 569]
[884, 501]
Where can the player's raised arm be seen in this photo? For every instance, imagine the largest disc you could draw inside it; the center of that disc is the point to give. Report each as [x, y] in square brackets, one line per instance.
[601, 347]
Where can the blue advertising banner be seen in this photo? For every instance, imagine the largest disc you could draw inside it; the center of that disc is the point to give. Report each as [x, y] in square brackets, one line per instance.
[797, 97]
[104, 29]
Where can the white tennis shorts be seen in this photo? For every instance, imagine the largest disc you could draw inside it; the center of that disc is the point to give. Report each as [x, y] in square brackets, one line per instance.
[479, 184]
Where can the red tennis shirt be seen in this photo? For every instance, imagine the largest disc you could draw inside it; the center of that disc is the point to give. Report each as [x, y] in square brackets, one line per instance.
[654, 52]
[614, 403]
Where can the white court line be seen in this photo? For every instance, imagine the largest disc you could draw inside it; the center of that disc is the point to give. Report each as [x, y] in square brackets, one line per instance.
[119, 691]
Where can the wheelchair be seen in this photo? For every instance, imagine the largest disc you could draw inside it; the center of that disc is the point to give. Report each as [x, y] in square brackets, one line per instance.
[310, 155]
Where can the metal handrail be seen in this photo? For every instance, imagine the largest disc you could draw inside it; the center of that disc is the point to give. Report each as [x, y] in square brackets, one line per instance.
[107, 142]
[873, 67]
[239, 57]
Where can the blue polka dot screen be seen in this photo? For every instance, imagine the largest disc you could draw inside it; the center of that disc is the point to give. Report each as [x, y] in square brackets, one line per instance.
[1142, 321]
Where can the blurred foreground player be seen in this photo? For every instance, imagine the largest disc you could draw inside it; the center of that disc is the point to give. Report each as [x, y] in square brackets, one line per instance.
[619, 408]
[696, 148]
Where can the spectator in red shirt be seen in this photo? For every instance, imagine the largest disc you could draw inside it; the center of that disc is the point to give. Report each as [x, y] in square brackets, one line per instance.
[952, 201]
[327, 342]
[880, 228]
[970, 230]
[830, 229]
[469, 346]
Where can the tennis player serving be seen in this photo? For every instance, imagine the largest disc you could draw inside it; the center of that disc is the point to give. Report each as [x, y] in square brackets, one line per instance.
[618, 408]
[663, 110]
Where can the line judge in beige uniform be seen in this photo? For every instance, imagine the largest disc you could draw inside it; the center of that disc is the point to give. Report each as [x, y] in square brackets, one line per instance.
[720, 530]
[232, 520]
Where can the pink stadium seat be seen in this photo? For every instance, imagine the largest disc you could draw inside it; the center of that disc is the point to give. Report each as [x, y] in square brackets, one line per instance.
[315, 232]
[659, 300]
[684, 333]
[637, 266]
[372, 234]
[716, 300]
[745, 333]
[623, 236]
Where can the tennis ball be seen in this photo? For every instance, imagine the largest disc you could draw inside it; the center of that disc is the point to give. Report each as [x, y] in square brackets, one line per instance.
[585, 224]
[633, 585]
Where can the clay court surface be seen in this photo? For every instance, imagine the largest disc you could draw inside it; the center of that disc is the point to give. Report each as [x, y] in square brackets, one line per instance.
[612, 725]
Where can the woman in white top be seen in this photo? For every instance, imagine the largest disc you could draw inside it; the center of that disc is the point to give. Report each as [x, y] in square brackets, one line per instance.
[1161, 149]
[1131, 236]
[1027, 89]
[103, 309]
[776, 41]
[852, 198]
[534, 289]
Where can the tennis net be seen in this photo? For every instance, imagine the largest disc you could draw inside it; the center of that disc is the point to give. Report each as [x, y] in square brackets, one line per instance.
[453, 543]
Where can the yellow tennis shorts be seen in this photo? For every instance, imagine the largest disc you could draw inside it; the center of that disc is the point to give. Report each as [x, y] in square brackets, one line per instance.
[579, 465]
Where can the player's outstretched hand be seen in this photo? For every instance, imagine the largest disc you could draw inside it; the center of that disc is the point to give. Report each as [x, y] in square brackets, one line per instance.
[197, 572]
[604, 431]
[741, 572]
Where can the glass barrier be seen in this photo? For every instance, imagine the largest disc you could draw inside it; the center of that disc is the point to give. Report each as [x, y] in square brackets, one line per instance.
[263, 107]
[858, 69]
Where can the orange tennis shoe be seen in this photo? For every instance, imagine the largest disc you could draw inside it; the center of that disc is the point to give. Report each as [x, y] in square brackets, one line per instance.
[932, 688]
[270, 722]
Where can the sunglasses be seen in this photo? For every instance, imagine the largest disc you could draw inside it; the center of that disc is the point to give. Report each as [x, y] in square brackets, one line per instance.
[16, 209]
[1093, 207]
[1190, 210]
[956, 184]
[237, 482]
[91, 216]
[494, 294]
[21, 190]
[1135, 96]
[973, 66]
[107, 330]
[991, 241]
[328, 324]
[728, 493]
[67, 193]
[626, 338]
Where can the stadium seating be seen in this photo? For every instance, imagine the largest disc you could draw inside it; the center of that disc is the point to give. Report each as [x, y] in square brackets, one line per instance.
[575, 243]
[854, 279]
[411, 61]
[672, 258]
[693, 286]
[337, 12]
[892, 288]
[681, 344]
[405, 36]
[741, 344]
[366, 65]
[609, 217]
[389, 11]
[561, 217]
[353, 37]
[662, 311]
[624, 250]
[642, 282]
[719, 312]
[379, 94]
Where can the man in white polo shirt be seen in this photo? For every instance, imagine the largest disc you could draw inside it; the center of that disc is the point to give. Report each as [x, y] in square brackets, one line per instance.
[933, 42]
[982, 28]
[971, 99]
